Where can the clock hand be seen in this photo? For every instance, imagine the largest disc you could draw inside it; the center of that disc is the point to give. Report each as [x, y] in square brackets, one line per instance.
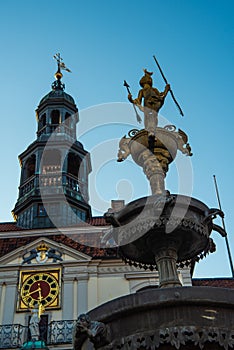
[34, 291]
[40, 296]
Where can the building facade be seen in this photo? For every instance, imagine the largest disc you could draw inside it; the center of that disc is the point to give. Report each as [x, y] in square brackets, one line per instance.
[51, 256]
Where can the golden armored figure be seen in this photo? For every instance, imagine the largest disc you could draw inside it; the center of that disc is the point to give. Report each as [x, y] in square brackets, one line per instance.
[153, 101]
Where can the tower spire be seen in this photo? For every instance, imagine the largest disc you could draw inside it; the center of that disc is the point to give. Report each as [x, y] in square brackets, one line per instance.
[57, 84]
[54, 167]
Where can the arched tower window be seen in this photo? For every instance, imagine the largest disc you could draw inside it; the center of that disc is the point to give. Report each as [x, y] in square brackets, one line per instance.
[55, 117]
[42, 124]
[43, 120]
[73, 164]
[51, 162]
[30, 167]
[67, 119]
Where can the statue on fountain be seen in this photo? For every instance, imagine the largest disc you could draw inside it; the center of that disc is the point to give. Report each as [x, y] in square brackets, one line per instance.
[153, 101]
[162, 231]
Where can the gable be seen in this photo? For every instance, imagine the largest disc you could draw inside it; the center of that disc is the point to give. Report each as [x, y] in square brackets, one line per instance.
[43, 251]
[77, 242]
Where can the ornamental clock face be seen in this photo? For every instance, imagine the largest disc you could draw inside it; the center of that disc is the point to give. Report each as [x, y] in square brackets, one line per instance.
[39, 287]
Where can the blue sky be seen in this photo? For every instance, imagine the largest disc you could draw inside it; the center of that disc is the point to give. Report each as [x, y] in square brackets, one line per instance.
[103, 43]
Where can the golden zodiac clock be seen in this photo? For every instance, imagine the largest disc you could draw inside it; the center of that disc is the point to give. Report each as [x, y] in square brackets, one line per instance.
[39, 287]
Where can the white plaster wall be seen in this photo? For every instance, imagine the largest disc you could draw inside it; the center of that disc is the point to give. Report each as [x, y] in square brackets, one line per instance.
[111, 287]
[92, 292]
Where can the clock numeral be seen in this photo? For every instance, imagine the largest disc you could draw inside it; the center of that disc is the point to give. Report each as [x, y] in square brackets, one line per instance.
[27, 300]
[48, 299]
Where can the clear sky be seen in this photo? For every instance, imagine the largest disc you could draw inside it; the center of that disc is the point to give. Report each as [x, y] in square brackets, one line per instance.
[103, 43]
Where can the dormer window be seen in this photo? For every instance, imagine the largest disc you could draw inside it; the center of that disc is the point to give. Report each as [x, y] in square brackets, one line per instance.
[41, 210]
[55, 117]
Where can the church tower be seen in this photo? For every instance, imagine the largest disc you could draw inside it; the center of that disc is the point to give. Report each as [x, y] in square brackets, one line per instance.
[53, 187]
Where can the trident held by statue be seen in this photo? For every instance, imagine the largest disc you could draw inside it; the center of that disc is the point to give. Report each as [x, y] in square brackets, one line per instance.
[137, 114]
[171, 92]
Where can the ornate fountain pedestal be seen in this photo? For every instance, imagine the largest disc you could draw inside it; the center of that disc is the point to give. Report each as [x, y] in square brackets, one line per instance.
[161, 231]
[166, 259]
[164, 233]
[154, 155]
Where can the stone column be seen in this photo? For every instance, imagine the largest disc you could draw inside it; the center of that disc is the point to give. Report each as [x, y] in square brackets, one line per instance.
[165, 248]
[156, 178]
[64, 160]
[2, 300]
[68, 293]
[165, 259]
[38, 161]
[68, 299]
[75, 298]
[9, 294]
[75, 293]
[82, 294]
[155, 167]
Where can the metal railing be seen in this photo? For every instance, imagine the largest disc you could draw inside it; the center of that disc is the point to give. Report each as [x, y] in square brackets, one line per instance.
[11, 336]
[55, 128]
[27, 186]
[51, 180]
[57, 332]
[60, 332]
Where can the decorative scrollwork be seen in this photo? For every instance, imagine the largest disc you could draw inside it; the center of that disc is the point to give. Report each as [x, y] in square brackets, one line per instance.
[176, 336]
[133, 132]
[124, 149]
[170, 127]
[183, 144]
[11, 336]
[60, 332]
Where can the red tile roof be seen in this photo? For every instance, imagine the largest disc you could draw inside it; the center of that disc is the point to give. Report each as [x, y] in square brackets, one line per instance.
[9, 226]
[94, 221]
[88, 243]
[98, 221]
[223, 282]
[7, 245]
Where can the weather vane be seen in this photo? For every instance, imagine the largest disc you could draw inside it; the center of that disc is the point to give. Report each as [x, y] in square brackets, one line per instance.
[61, 64]
[57, 84]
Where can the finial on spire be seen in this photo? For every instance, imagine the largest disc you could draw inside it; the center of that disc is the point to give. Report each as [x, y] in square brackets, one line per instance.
[58, 85]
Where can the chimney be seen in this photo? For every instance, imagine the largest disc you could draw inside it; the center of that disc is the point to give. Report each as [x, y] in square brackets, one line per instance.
[116, 205]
